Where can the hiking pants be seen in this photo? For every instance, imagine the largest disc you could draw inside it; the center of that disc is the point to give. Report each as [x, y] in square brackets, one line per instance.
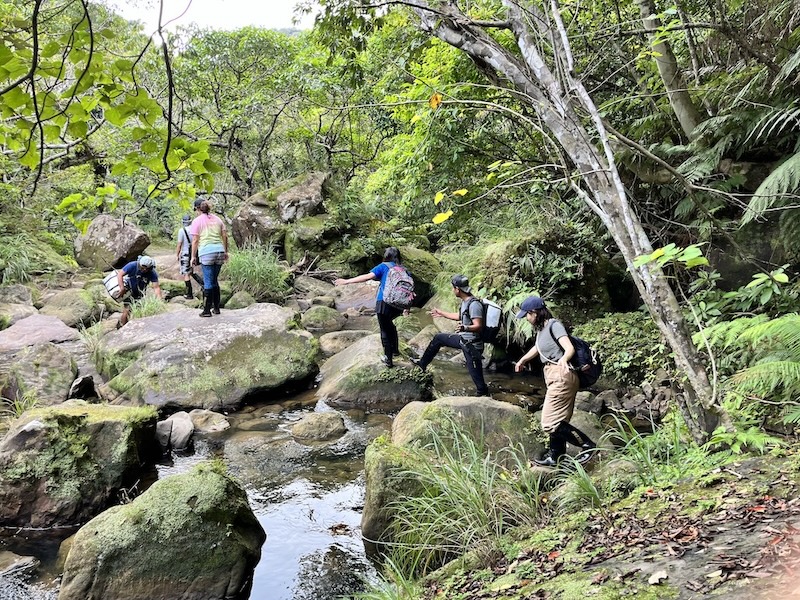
[473, 353]
[386, 315]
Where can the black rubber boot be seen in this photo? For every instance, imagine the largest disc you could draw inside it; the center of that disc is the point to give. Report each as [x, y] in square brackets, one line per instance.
[215, 300]
[576, 437]
[206, 303]
[558, 448]
[189, 294]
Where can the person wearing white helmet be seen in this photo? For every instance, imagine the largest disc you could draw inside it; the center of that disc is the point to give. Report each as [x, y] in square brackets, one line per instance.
[133, 280]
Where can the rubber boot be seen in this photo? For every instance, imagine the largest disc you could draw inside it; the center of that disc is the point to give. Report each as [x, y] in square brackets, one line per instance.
[189, 294]
[206, 303]
[558, 448]
[215, 300]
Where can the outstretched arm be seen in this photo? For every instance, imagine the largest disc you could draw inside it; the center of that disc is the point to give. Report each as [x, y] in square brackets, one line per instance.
[357, 279]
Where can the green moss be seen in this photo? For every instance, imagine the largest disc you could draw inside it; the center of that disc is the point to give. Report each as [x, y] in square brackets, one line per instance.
[579, 586]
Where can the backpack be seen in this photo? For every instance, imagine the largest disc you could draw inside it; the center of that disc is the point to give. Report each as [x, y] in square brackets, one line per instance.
[492, 319]
[586, 362]
[398, 291]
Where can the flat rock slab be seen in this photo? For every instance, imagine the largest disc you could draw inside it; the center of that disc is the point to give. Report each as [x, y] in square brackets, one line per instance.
[35, 329]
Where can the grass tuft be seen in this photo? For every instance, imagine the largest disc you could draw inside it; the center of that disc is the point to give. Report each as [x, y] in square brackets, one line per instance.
[257, 270]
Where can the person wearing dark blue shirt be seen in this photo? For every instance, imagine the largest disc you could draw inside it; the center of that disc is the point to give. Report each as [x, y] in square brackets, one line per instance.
[133, 279]
[386, 314]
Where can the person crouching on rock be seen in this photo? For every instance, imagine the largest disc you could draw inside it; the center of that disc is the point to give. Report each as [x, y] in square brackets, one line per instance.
[133, 279]
[554, 348]
[210, 248]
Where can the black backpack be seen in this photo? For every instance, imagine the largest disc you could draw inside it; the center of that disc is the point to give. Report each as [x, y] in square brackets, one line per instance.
[492, 319]
[586, 362]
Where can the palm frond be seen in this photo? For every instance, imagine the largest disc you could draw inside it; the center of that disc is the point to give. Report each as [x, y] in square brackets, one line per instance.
[775, 189]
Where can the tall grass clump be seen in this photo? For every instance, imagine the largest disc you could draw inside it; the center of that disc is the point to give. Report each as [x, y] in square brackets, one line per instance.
[393, 585]
[16, 262]
[147, 306]
[466, 499]
[258, 270]
[92, 337]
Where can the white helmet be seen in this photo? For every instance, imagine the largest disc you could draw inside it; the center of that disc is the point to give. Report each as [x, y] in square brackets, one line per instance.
[146, 262]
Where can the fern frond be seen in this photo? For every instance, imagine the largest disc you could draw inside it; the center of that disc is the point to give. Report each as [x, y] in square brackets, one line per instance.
[782, 332]
[787, 71]
[782, 182]
[773, 122]
[727, 334]
[764, 379]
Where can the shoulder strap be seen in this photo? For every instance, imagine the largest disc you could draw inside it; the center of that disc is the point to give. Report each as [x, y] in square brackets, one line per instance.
[186, 233]
[469, 303]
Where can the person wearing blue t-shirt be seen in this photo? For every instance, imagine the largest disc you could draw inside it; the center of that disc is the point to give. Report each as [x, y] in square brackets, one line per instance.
[133, 279]
[386, 314]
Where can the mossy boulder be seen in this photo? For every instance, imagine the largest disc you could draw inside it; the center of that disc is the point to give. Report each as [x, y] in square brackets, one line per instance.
[318, 426]
[44, 372]
[108, 242]
[76, 307]
[240, 300]
[189, 536]
[180, 360]
[63, 465]
[356, 378]
[11, 313]
[323, 319]
[424, 267]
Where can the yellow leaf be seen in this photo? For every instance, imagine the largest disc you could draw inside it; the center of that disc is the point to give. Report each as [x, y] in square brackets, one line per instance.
[435, 100]
[438, 197]
[415, 118]
[461, 192]
[442, 217]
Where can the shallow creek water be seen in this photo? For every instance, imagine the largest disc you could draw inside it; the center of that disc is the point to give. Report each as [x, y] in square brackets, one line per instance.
[308, 498]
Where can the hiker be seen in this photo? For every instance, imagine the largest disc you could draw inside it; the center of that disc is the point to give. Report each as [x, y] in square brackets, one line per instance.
[555, 349]
[386, 314]
[137, 275]
[182, 253]
[467, 336]
[210, 249]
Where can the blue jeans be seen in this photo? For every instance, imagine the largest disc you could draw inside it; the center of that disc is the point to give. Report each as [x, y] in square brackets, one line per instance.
[210, 276]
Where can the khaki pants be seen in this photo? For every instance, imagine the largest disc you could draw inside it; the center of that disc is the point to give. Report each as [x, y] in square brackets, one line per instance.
[559, 401]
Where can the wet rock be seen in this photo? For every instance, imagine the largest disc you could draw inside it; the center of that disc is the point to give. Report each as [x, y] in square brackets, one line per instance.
[334, 342]
[15, 565]
[319, 426]
[108, 243]
[180, 360]
[206, 421]
[175, 432]
[188, 536]
[356, 378]
[62, 465]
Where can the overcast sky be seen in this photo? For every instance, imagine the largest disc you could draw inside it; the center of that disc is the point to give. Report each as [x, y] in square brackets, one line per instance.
[217, 14]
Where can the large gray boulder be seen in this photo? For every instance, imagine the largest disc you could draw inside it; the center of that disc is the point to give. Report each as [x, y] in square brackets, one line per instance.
[182, 361]
[495, 425]
[256, 223]
[304, 199]
[108, 243]
[191, 536]
[356, 378]
[35, 329]
[62, 465]
[44, 372]
[16, 293]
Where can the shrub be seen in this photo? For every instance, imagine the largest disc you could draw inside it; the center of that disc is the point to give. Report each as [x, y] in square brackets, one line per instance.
[257, 270]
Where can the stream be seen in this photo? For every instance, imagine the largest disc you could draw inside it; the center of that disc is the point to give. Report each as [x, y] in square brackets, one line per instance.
[307, 497]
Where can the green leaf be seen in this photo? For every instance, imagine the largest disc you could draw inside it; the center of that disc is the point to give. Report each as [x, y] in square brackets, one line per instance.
[211, 166]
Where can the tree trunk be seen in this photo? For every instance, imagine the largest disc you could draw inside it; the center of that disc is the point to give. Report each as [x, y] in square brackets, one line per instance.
[682, 105]
[556, 100]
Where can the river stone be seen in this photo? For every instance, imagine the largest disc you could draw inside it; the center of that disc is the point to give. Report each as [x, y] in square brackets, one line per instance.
[109, 244]
[356, 378]
[44, 371]
[75, 307]
[10, 313]
[189, 536]
[304, 199]
[14, 564]
[16, 293]
[180, 360]
[207, 421]
[311, 287]
[319, 426]
[589, 402]
[175, 432]
[328, 301]
[323, 319]
[62, 465]
[35, 329]
[240, 299]
[336, 341]
[358, 296]
[498, 424]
